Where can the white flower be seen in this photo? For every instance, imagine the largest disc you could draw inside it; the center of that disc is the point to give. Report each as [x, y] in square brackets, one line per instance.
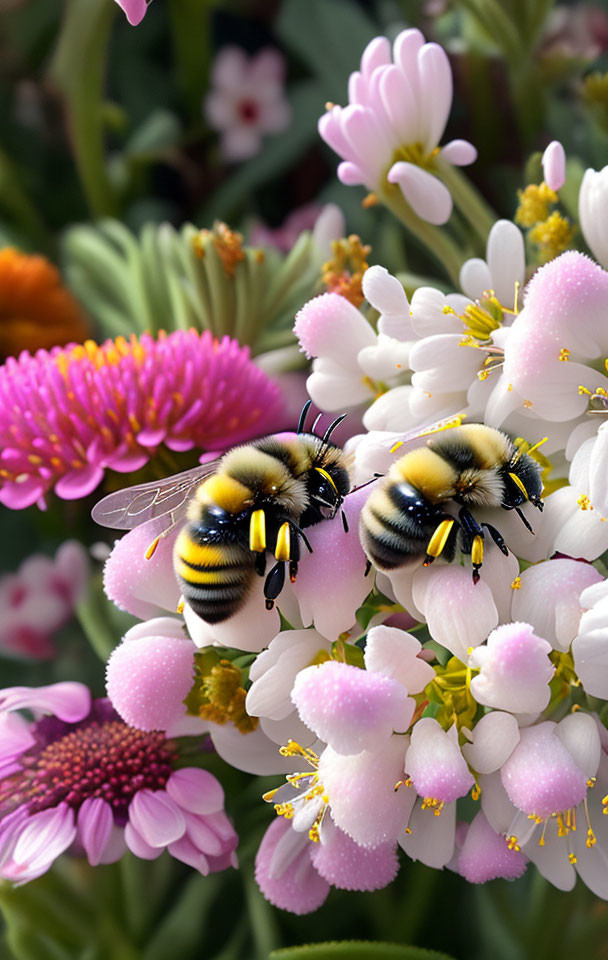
[246, 100]
[593, 212]
[503, 268]
[590, 647]
[396, 115]
[554, 165]
[515, 670]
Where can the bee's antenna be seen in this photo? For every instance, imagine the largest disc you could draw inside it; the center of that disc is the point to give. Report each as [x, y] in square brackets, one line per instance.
[303, 415]
[336, 423]
[314, 426]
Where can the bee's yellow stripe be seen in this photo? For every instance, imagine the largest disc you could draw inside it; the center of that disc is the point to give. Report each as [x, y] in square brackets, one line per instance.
[201, 576]
[225, 491]
[199, 554]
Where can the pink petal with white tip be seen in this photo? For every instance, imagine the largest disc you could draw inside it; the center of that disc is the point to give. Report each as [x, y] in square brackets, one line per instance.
[435, 763]
[347, 866]
[485, 855]
[515, 670]
[296, 887]
[94, 827]
[349, 708]
[68, 701]
[156, 817]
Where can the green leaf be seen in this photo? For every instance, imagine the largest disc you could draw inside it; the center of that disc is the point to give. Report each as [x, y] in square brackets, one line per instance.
[357, 950]
[329, 37]
[307, 101]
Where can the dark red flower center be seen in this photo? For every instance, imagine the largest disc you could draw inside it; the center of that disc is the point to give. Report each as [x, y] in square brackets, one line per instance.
[248, 110]
[108, 760]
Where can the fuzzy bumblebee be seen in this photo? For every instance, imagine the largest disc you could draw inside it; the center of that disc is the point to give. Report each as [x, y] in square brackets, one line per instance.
[422, 509]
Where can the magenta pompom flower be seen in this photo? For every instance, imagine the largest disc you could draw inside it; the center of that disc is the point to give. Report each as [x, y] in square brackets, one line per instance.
[82, 778]
[68, 414]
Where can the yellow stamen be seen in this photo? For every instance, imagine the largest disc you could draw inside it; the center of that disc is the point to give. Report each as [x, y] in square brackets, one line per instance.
[534, 204]
[516, 584]
[552, 236]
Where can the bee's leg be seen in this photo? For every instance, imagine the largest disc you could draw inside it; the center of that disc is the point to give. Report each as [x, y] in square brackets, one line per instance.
[438, 541]
[368, 566]
[523, 519]
[260, 564]
[275, 581]
[497, 538]
[473, 536]
[294, 557]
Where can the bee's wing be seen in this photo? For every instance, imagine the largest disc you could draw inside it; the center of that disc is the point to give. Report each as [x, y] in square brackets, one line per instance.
[128, 508]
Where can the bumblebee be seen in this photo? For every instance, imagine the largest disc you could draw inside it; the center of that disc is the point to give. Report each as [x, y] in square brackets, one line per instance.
[422, 509]
[256, 499]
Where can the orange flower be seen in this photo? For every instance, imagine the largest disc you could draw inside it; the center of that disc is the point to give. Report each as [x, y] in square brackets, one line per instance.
[36, 310]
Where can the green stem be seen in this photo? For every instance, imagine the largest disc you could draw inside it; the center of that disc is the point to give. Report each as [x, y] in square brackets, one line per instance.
[468, 200]
[18, 205]
[437, 242]
[78, 70]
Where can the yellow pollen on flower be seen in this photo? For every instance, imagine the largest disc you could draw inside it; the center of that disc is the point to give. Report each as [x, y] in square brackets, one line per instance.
[534, 204]
[564, 354]
[343, 273]
[432, 803]
[371, 200]
[584, 502]
[516, 584]
[476, 791]
[228, 245]
[552, 236]
[512, 843]
[572, 858]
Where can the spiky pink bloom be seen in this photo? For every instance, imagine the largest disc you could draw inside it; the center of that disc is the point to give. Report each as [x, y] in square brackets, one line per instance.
[68, 414]
[82, 777]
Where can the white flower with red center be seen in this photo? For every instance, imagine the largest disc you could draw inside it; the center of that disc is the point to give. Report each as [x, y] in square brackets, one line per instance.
[39, 598]
[247, 100]
[388, 135]
[77, 774]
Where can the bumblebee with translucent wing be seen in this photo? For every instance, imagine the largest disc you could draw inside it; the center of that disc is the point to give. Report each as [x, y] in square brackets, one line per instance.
[256, 499]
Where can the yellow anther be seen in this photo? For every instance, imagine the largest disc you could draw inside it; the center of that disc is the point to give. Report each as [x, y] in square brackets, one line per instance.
[552, 236]
[476, 791]
[283, 547]
[572, 858]
[439, 538]
[534, 204]
[327, 476]
[583, 391]
[257, 531]
[408, 830]
[269, 796]
[181, 603]
[516, 584]
[519, 484]
[564, 354]
[591, 782]
[584, 502]
[152, 548]
[512, 843]
[477, 551]
[591, 839]
[527, 404]
[371, 200]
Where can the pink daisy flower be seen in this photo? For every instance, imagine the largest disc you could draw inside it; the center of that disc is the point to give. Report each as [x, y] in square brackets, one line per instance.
[135, 10]
[69, 414]
[78, 777]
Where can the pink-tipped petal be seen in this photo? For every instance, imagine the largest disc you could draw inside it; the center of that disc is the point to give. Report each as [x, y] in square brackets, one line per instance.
[296, 887]
[428, 197]
[435, 764]
[330, 326]
[515, 670]
[486, 856]
[349, 708]
[148, 678]
[554, 165]
[346, 865]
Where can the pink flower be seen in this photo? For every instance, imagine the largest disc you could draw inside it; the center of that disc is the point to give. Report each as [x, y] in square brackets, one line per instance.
[514, 670]
[59, 786]
[135, 10]
[295, 874]
[485, 854]
[554, 165]
[397, 111]
[39, 599]
[246, 100]
[68, 414]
